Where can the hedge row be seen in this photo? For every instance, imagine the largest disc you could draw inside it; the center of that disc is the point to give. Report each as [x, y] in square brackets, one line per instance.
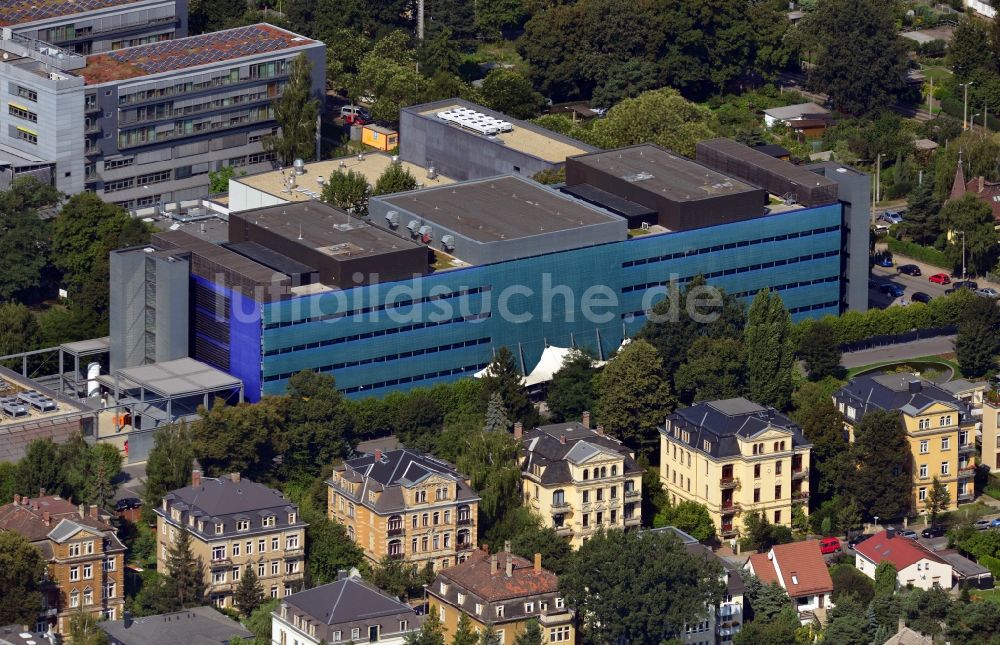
[854, 326]
[927, 254]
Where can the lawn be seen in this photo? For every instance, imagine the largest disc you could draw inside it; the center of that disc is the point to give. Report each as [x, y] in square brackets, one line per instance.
[854, 371]
[992, 595]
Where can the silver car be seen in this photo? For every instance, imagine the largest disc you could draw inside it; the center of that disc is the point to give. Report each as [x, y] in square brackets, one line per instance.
[988, 292]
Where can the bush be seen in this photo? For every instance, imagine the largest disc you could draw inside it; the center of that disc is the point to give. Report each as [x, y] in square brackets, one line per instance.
[926, 254]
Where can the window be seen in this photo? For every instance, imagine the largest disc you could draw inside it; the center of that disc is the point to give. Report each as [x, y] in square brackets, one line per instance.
[586, 474]
[777, 517]
[558, 497]
[586, 497]
[292, 541]
[945, 468]
[29, 136]
[499, 611]
[600, 494]
[109, 564]
[923, 471]
[74, 550]
[88, 596]
[268, 521]
[403, 626]
[218, 553]
[355, 633]
[479, 609]
[529, 607]
[21, 113]
[88, 547]
[249, 547]
[945, 420]
[337, 636]
[924, 424]
[437, 517]
[945, 443]
[88, 571]
[560, 603]
[461, 596]
[756, 471]
[74, 598]
[275, 543]
[260, 569]
[963, 437]
[219, 528]
[274, 591]
[586, 520]
[291, 518]
[219, 577]
[413, 522]
[243, 525]
[756, 495]
[261, 545]
[922, 494]
[275, 567]
[235, 574]
[31, 95]
[421, 497]
[924, 446]
[236, 549]
[851, 412]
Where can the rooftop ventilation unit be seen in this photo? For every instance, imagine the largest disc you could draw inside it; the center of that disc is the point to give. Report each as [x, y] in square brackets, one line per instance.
[299, 167]
[412, 226]
[393, 218]
[448, 242]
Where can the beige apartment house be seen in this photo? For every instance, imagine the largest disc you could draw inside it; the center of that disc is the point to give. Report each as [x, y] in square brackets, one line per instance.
[734, 457]
[991, 430]
[940, 430]
[405, 505]
[578, 480]
[235, 524]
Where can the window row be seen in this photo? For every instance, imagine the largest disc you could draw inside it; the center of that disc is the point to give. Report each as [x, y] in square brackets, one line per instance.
[229, 77]
[22, 113]
[291, 567]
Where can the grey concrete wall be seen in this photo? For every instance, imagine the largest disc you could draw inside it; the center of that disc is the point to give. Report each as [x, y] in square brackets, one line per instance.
[854, 193]
[127, 301]
[172, 307]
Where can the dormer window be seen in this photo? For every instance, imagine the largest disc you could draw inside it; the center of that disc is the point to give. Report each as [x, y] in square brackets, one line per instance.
[444, 589]
[461, 598]
[243, 525]
[219, 528]
[268, 521]
[291, 518]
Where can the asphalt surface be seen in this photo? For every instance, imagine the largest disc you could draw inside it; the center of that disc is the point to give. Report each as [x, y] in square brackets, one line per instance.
[910, 284]
[901, 351]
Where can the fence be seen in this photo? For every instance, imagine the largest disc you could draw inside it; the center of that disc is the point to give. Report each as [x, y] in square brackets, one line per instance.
[895, 339]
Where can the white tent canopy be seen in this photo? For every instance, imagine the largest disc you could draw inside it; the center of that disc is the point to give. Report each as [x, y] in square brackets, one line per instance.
[550, 363]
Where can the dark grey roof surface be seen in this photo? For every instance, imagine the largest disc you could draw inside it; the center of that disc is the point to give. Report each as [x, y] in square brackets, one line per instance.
[269, 257]
[610, 201]
[965, 567]
[902, 391]
[723, 422]
[347, 600]
[544, 447]
[197, 626]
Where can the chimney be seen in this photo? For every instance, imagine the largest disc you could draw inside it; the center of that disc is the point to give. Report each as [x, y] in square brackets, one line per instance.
[562, 439]
[234, 477]
[509, 570]
[600, 430]
[506, 546]
[83, 511]
[127, 619]
[46, 518]
[538, 563]
[900, 624]
[914, 386]
[17, 500]
[890, 532]
[196, 476]
[93, 512]
[41, 492]
[585, 420]
[982, 182]
[518, 430]
[493, 564]
[378, 455]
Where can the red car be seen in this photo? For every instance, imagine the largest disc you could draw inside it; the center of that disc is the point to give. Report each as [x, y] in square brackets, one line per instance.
[940, 278]
[829, 545]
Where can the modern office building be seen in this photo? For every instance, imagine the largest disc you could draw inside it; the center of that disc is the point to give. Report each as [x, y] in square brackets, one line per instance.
[95, 26]
[434, 280]
[469, 146]
[405, 505]
[940, 430]
[145, 125]
[735, 457]
[578, 480]
[235, 524]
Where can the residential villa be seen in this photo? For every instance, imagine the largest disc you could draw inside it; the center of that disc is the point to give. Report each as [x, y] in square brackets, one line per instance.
[799, 569]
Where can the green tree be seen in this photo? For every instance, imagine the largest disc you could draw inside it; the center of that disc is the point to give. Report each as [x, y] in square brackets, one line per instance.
[206, 16]
[922, 222]
[398, 578]
[507, 91]
[489, 459]
[24, 246]
[861, 64]
[41, 468]
[329, 549]
[767, 600]
[848, 623]
[780, 630]
[168, 466]
[769, 350]
[83, 630]
[885, 578]
[496, 415]
[690, 517]
[849, 581]
[464, 634]
[218, 180]
[259, 622]
[555, 551]
[19, 331]
[103, 495]
[395, 179]
[185, 573]
[431, 632]
[438, 53]
[757, 532]
[634, 399]
[716, 368]
[493, 17]
[966, 53]
[22, 568]
[571, 392]
[243, 438]
[829, 465]
[937, 500]
[532, 634]
[489, 635]
[249, 592]
[974, 218]
[318, 425]
[296, 112]
[643, 587]
[820, 350]
[348, 191]
[661, 116]
[503, 377]
[881, 454]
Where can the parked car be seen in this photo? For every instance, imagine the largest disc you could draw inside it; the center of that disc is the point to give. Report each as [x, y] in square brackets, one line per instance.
[829, 545]
[933, 531]
[909, 269]
[128, 503]
[981, 525]
[966, 284]
[354, 114]
[893, 290]
[884, 261]
[940, 278]
[988, 292]
[995, 522]
[872, 284]
[920, 296]
[908, 533]
[892, 217]
[858, 539]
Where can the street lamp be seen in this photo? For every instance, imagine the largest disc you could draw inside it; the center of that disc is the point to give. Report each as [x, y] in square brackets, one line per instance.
[876, 523]
[965, 105]
[963, 254]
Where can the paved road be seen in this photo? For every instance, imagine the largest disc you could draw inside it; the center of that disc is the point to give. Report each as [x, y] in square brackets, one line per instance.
[902, 351]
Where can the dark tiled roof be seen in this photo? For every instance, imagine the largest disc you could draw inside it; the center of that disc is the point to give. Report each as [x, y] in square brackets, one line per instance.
[390, 472]
[553, 447]
[906, 392]
[348, 600]
[28, 519]
[197, 626]
[222, 500]
[723, 422]
[475, 576]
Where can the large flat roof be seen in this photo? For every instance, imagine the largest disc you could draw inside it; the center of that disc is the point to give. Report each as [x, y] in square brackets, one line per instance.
[499, 208]
[371, 165]
[16, 12]
[660, 171]
[327, 230]
[173, 55]
[525, 137]
[175, 378]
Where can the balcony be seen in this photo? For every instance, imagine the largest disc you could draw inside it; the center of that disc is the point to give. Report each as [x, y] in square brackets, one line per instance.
[396, 531]
[396, 556]
[633, 521]
[967, 448]
[92, 128]
[728, 531]
[800, 495]
[463, 546]
[560, 506]
[464, 521]
[294, 552]
[633, 494]
[555, 617]
[799, 474]
[967, 471]
[965, 497]
[729, 483]
[221, 563]
[296, 575]
[91, 151]
[731, 507]
[563, 531]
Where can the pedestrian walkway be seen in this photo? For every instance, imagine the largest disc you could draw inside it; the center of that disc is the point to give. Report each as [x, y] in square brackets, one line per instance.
[902, 351]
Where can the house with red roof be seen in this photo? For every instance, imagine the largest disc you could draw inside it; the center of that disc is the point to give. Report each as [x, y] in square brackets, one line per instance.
[799, 569]
[915, 564]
